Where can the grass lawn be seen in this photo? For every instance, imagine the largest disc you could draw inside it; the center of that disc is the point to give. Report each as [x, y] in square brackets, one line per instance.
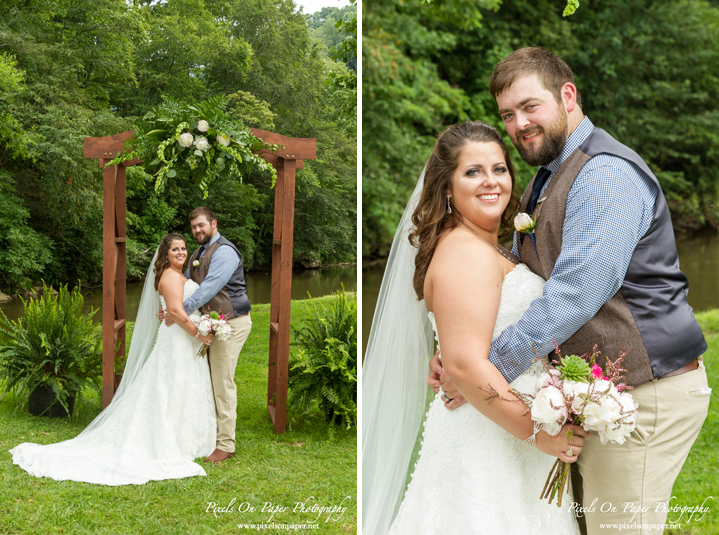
[698, 482]
[310, 464]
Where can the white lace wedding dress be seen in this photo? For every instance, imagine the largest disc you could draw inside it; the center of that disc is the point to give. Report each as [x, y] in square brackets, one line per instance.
[472, 476]
[165, 420]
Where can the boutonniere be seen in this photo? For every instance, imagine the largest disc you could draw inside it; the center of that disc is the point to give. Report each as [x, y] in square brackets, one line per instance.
[196, 263]
[526, 224]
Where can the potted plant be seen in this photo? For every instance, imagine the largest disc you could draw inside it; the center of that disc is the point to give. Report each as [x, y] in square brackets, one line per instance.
[323, 373]
[51, 353]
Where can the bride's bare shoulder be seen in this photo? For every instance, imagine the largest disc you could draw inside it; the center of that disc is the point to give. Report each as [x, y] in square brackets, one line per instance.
[461, 247]
[171, 280]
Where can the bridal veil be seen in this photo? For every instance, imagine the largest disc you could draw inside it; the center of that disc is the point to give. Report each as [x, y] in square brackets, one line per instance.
[394, 382]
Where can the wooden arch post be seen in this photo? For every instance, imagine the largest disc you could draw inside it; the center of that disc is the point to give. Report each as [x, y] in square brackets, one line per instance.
[288, 159]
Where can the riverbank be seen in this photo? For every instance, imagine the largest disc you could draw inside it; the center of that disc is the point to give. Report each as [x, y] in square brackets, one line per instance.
[310, 463]
[315, 282]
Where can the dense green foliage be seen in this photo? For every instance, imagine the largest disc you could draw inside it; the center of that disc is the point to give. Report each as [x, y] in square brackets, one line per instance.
[647, 72]
[323, 372]
[69, 70]
[53, 344]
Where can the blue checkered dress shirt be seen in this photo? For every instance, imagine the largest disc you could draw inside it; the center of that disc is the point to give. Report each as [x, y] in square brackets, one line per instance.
[609, 208]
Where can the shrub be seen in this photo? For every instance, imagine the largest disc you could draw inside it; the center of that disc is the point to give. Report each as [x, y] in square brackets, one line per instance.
[53, 344]
[323, 373]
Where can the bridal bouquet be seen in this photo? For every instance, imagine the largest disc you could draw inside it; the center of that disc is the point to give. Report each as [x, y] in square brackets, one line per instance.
[215, 324]
[578, 392]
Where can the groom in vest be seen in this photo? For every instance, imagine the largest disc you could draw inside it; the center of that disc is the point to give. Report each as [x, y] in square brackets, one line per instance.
[605, 245]
[217, 267]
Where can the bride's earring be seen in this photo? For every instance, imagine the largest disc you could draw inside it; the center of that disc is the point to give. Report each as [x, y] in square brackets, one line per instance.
[166, 260]
[449, 207]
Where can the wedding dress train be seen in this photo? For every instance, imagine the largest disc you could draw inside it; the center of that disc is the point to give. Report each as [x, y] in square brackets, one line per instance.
[164, 420]
[472, 476]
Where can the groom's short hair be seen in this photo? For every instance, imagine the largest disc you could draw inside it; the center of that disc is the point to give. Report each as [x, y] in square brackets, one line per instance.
[551, 70]
[202, 210]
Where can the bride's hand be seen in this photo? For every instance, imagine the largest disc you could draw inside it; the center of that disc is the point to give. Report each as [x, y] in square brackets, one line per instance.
[435, 367]
[438, 379]
[206, 339]
[558, 445]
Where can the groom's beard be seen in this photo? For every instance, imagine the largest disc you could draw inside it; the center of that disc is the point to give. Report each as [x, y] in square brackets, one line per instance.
[203, 239]
[555, 137]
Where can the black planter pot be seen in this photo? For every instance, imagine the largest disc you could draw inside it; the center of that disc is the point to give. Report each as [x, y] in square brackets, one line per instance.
[42, 402]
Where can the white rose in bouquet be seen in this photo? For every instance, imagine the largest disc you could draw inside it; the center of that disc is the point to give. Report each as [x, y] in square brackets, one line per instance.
[202, 126]
[203, 327]
[615, 433]
[223, 331]
[580, 391]
[628, 405]
[548, 409]
[186, 140]
[599, 414]
[202, 144]
[223, 139]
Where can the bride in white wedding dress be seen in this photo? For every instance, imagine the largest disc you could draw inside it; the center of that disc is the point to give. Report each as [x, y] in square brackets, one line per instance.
[162, 416]
[481, 467]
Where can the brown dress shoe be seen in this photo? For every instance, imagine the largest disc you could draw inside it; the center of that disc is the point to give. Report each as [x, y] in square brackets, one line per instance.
[219, 456]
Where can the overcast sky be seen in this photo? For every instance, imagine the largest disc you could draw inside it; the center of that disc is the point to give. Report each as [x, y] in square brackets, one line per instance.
[310, 6]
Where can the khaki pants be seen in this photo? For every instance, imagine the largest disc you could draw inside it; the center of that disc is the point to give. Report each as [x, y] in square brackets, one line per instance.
[628, 483]
[223, 361]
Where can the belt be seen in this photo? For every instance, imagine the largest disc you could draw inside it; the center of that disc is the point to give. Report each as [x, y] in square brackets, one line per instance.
[693, 365]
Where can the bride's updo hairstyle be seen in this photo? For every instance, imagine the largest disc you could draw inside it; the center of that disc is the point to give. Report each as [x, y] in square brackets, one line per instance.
[161, 264]
[431, 218]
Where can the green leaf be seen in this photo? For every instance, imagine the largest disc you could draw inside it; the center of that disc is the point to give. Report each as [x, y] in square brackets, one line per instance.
[172, 173]
[156, 134]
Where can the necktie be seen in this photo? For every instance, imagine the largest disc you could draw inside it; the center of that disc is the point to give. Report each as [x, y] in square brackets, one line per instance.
[199, 254]
[542, 176]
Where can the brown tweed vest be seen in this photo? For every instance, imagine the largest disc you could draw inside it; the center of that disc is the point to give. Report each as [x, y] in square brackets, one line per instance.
[232, 300]
[617, 324]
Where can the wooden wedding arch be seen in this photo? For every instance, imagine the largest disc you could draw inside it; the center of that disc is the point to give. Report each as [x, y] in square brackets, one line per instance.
[287, 160]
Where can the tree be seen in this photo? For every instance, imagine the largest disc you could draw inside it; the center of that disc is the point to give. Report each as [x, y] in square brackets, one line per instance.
[647, 72]
[69, 70]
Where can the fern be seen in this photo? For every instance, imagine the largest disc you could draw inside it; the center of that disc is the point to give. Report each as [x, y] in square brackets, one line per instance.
[323, 373]
[53, 344]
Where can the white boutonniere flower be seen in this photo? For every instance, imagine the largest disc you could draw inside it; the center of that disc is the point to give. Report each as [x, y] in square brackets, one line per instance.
[525, 223]
[196, 263]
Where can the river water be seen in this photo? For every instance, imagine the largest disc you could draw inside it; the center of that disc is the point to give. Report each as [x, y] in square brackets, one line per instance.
[698, 259]
[316, 282]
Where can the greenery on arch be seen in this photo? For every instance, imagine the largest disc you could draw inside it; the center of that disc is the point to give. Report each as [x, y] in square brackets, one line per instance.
[198, 142]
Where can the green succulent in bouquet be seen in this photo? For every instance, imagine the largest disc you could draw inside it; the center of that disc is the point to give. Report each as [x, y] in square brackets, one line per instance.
[55, 344]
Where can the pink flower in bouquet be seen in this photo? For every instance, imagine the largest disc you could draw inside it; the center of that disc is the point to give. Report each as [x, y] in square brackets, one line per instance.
[597, 371]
